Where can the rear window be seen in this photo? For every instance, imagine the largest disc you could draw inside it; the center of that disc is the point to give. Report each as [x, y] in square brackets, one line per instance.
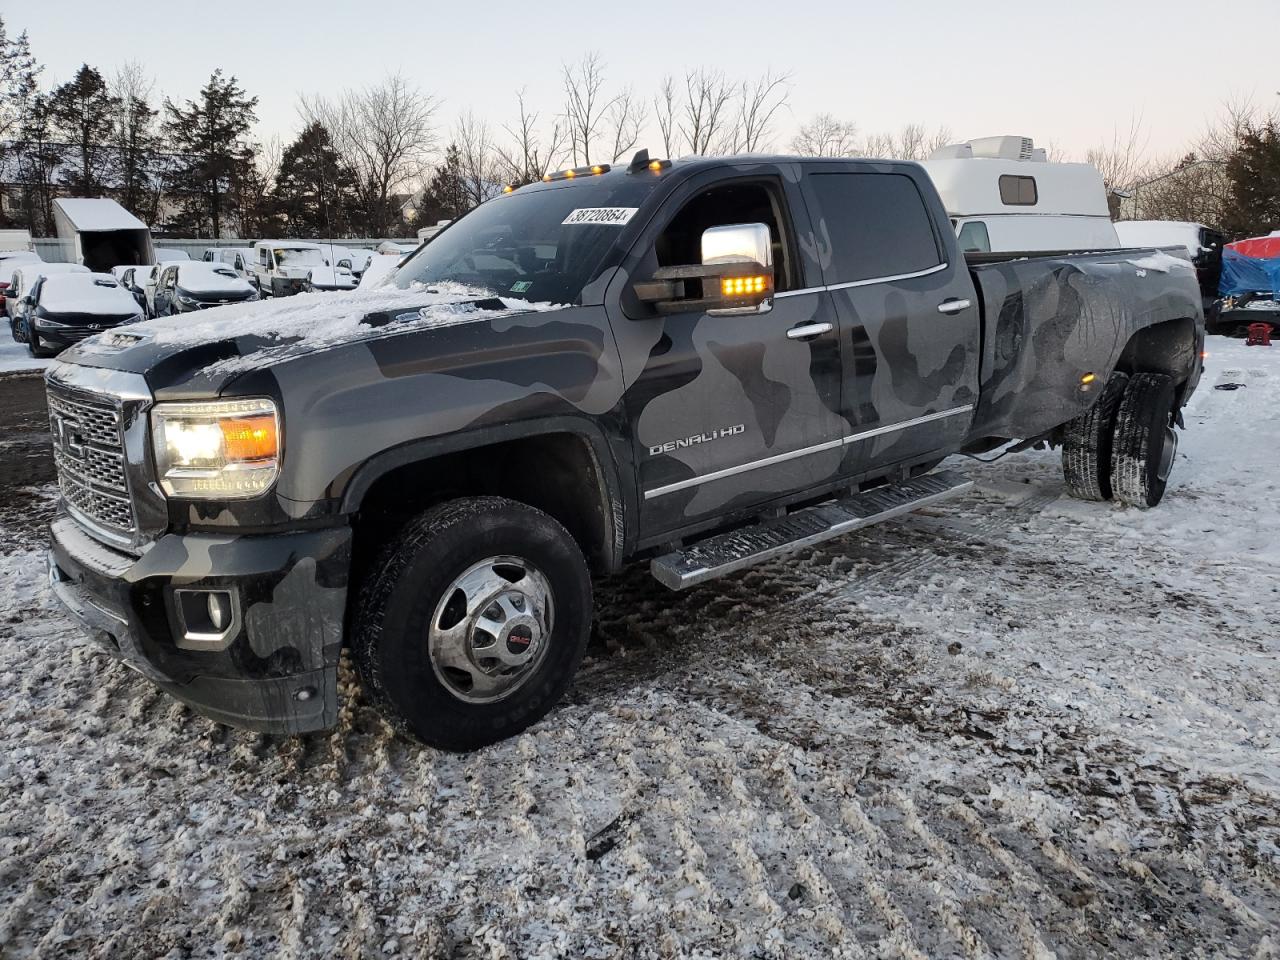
[878, 225]
[1018, 191]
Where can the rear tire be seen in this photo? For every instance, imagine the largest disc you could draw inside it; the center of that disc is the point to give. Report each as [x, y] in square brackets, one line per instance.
[473, 622]
[1144, 445]
[1086, 444]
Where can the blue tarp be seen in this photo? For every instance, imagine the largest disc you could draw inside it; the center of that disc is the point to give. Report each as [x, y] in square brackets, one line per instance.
[1241, 274]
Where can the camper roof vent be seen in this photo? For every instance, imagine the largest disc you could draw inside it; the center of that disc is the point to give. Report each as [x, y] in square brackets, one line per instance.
[992, 148]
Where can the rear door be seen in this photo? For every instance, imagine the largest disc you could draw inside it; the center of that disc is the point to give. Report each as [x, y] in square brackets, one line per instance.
[729, 412]
[909, 317]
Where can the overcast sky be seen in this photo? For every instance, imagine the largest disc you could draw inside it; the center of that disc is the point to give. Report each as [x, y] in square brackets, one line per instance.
[1067, 73]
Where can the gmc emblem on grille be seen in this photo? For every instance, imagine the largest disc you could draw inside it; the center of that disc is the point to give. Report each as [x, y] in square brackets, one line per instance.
[67, 433]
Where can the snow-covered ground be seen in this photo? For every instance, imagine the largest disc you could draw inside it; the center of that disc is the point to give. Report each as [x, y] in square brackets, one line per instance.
[1015, 725]
[16, 356]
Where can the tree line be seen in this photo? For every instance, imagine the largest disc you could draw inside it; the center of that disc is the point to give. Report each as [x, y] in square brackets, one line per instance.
[378, 162]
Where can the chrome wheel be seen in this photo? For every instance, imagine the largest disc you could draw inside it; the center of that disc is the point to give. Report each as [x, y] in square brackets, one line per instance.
[1168, 449]
[490, 630]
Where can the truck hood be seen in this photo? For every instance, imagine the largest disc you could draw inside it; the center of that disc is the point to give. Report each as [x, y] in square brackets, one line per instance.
[197, 354]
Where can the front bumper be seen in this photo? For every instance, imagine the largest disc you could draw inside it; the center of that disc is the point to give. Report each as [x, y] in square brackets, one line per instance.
[275, 672]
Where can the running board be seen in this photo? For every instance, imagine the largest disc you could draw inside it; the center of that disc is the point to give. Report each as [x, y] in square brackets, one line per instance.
[729, 552]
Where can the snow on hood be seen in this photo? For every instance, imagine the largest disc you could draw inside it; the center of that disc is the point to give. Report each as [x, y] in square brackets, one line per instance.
[302, 324]
[198, 277]
[92, 293]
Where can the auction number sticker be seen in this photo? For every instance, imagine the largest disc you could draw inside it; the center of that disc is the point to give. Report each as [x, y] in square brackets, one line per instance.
[611, 216]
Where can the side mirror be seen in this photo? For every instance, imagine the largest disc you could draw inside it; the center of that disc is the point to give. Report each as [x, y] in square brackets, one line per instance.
[736, 275]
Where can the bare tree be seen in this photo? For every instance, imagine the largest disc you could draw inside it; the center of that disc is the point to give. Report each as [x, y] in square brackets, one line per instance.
[912, 141]
[478, 171]
[1123, 161]
[256, 199]
[825, 136]
[386, 133]
[584, 104]
[664, 108]
[624, 119]
[527, 158]
[706, 110]
[759, 101]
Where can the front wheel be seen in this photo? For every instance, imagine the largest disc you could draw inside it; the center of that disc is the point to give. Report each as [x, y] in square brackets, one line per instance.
[473, 622]
[1144, 444]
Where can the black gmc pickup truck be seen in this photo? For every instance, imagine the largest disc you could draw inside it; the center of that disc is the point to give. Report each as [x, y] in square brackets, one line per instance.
[705, 363]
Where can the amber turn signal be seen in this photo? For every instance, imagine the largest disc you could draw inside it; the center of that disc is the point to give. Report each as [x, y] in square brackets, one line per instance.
[252, 438]
[743, 286]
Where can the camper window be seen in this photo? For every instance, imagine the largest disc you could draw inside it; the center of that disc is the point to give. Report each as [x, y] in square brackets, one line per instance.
[1018, 191]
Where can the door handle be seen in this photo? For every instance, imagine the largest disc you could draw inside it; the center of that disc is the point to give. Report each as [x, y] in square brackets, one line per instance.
[807, 331]
[953, 306]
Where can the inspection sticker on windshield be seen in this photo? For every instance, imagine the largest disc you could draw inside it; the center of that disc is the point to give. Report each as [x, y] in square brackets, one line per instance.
[611, 216]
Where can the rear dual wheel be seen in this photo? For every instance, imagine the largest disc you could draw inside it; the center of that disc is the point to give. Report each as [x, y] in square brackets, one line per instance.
[1123, 447]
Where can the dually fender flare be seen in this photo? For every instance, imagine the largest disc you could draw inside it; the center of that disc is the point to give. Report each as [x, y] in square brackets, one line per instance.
[618, 499]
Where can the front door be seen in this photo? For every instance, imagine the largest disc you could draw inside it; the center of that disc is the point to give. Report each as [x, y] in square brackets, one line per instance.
[730, 412]
[909, 316]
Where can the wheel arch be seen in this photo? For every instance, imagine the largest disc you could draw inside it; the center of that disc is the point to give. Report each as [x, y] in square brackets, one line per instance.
[576, 479]
[1171, 347]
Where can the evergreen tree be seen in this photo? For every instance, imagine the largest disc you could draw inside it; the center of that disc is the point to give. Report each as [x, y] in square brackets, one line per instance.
[39, 157]
[84, 113]
[314, 189]
[135, 156]
[446, 195]
[208, 137]
[18, 73]
[1253, 171]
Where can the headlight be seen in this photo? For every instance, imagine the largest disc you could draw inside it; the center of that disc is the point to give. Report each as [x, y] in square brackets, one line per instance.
[187, 301]
[216, 450]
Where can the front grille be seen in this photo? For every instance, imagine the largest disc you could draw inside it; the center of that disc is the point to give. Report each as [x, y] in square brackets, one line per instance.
[88, 450]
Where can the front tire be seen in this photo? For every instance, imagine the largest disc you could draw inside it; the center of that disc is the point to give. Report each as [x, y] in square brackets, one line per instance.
[1144, 445]
[1086, 444]
[473, 622]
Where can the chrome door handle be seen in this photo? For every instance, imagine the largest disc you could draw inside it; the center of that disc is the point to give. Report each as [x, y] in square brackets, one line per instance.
[807, 330]
[953, 306]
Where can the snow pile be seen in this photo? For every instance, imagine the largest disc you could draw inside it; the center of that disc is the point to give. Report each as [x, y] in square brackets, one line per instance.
[16, 356]
[1011, 725]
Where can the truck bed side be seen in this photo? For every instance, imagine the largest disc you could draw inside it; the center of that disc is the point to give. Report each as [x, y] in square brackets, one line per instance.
[1051, 321]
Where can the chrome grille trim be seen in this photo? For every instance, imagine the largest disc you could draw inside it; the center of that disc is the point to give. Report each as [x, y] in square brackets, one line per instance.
[89, 453]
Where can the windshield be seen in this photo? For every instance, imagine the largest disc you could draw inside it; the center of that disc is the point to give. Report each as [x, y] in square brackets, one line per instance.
[306, 257]
[542, 246]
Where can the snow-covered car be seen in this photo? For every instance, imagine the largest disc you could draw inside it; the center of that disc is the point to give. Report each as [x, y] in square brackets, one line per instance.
[280, 267]
[23, 278]
[134, 279]
[329, 279]
[64, 308]
[380, 266]
[170, 255]
[239, 259]
[395, 247]
[151, 278]
[198, 285]
[354, 261]
[8, 260]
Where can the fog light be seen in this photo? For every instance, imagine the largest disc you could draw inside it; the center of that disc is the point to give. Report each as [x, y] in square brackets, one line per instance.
[207, 619]
[220, 610]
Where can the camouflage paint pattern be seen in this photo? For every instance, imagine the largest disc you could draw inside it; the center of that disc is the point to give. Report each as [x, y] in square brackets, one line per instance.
[776, 418]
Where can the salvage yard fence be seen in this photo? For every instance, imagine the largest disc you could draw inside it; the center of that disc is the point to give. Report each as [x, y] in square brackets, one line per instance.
[57, 250]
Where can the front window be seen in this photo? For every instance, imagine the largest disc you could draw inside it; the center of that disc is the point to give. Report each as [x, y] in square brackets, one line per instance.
[306, 257]
[542, 245]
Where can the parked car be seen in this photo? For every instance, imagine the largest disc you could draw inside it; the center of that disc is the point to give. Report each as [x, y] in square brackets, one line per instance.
[329, 279]
[64, 308]
[706, 363]
[394, 247]
[134, 279]
[352, 260]
[171, 255]
[197, 285]
[9, 259]
[25, 275]
[239, 259]
[150, 281]
[1003, 195]
[379, 267]
[1203, 245]
[280, 267]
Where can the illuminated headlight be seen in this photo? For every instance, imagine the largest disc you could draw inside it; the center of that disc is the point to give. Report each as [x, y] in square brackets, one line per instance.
[216, 450]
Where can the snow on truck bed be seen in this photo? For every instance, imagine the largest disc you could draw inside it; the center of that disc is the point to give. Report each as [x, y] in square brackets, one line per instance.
[1012, 725]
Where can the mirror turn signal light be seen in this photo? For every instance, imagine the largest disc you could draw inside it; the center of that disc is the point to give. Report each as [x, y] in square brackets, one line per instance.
[743, 286]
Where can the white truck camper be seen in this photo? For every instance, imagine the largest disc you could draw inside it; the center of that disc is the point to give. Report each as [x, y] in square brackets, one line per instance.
[1004, 195]
[102, 233]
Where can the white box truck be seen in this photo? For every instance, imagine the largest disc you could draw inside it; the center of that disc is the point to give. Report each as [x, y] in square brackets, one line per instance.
[102, 233]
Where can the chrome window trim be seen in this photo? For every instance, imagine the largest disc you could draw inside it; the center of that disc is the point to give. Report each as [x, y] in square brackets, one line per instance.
[870, 281]
[804, 451]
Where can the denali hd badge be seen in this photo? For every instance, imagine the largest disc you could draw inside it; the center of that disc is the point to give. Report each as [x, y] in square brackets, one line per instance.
[683, 442]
